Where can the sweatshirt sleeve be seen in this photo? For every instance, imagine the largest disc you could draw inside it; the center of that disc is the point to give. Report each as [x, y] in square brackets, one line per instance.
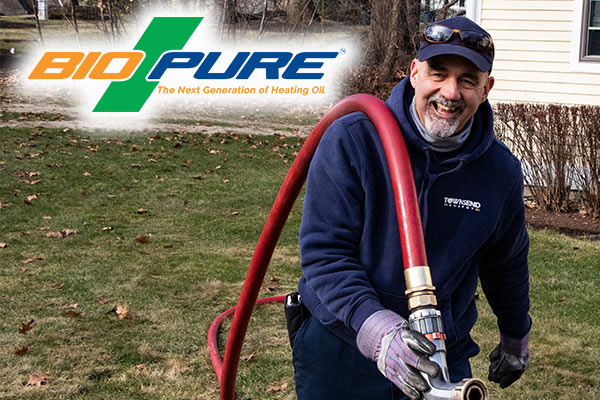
[331, 229]
[504, 271]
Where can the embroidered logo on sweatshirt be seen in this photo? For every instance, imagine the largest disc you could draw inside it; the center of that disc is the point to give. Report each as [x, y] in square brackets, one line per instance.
[462, 203]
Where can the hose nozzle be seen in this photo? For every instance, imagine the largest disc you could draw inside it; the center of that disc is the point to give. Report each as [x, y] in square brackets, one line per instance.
[470, 389]
[426, 319]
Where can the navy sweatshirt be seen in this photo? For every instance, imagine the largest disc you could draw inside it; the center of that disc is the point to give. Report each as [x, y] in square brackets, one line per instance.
[473, 217]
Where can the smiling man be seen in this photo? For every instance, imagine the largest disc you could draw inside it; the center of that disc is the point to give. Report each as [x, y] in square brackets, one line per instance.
[353, 342]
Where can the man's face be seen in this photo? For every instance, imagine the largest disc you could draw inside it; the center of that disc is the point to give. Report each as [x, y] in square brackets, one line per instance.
[448, 91]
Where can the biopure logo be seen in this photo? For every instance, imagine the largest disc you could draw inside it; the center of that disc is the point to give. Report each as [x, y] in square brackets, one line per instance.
[159, 51]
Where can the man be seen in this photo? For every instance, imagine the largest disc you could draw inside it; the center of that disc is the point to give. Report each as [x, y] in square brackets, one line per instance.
[470, 196]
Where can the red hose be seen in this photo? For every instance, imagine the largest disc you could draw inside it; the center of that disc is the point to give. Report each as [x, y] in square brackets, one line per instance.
[407, 206]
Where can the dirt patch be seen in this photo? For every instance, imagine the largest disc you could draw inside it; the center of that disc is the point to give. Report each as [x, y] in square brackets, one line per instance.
[572, 224]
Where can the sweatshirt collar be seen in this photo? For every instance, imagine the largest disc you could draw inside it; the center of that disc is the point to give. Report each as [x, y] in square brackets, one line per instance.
[478, 141]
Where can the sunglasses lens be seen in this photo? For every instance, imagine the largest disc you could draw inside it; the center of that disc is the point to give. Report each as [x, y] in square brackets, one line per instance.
[475, 40]
[438, 33]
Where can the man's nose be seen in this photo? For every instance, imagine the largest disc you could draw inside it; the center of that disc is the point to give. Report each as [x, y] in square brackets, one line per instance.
[450, 89]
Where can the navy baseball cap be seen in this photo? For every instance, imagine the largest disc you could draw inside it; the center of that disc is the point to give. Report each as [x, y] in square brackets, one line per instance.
[482, 58]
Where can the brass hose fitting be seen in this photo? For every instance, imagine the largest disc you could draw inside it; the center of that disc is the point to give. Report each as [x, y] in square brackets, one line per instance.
[419, 287]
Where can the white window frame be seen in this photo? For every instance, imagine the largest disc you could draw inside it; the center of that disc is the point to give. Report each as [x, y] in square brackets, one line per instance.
[590, 64]
[473, 10]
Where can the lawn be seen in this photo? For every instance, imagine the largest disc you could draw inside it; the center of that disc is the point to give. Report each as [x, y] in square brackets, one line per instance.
[165, 226]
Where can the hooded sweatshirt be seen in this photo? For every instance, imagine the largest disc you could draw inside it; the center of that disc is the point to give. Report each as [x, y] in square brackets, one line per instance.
[471, 203]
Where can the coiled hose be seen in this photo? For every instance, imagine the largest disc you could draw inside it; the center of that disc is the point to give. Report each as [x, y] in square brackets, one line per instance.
[409, 223]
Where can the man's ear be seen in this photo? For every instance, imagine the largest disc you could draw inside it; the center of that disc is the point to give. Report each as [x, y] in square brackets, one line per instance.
[414, 70]
[486, 88]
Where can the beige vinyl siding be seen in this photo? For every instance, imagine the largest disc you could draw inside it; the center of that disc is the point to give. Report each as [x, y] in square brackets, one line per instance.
[533, 53]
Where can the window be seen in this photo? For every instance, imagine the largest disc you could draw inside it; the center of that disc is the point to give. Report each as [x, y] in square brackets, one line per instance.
[585, 39]
[591, 27]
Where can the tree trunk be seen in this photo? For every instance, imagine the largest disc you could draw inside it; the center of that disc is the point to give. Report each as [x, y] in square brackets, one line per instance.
[74, 18]
[392, 35]
[37, 21]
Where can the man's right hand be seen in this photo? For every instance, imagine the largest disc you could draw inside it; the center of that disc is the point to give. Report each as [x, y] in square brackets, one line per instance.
[400, 353]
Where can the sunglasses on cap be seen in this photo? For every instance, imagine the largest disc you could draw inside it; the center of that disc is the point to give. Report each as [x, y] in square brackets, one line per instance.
[474, 40]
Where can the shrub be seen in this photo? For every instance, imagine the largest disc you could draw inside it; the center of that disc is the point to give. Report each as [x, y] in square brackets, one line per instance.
[559, 147]
[587, 146]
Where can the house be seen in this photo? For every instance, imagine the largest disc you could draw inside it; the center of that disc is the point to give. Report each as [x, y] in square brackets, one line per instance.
[15, 7]
[546, 50]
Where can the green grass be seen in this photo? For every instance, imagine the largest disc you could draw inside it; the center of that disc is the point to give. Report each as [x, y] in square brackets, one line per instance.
[204, 214]
[206, 200]
[565, 285]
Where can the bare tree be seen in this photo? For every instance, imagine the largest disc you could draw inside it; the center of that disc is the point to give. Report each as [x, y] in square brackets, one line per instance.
[37, 21]
[394, 26]
[62, 7]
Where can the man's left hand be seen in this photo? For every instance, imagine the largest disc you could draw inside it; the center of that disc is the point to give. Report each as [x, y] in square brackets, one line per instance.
[509, 360]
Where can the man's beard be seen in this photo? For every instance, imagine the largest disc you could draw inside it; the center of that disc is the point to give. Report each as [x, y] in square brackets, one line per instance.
[442, 127]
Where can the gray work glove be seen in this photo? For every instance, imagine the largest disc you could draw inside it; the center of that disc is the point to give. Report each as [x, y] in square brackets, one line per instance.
[400, 353]
[509, 360]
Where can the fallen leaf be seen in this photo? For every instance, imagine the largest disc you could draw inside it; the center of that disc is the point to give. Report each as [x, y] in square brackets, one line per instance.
[47, 217]
[107, 228]
[562, 299]
[111, 196]
[141, 211]
[4, 205]
[32, 259]
[93, 148]
[59, 285]
[141, 367]
[87, 174]
[54, 235]
[269, 288]
[29, 181]
[235, 213]
[3, 245]
[274, 279]
[277, 388]
[72, 314]
[102, 301]
[69, 231]
[247, 357]
[73, 306]
[23, 269]
[26, 327]
[22, 351]
[38, 380]
[123, 313]
[142, 239]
